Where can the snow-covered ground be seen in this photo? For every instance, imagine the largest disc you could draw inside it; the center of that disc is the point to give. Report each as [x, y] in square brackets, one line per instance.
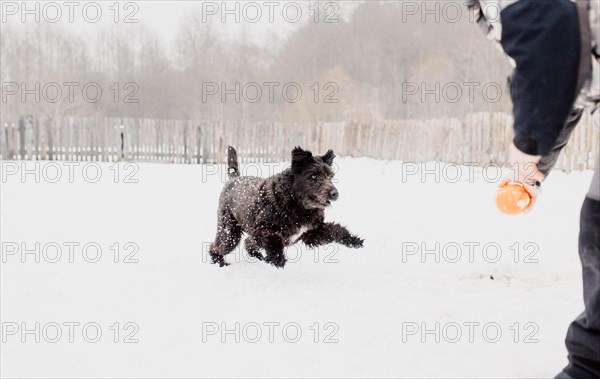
[386, 310]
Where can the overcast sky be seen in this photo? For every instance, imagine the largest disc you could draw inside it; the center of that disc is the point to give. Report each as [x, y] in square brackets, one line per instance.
[256, 18]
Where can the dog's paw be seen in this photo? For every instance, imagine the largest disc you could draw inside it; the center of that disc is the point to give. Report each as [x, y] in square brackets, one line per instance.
[257, 256]
[354, 242]
[219, 260]
[311, 245]
[277, 261]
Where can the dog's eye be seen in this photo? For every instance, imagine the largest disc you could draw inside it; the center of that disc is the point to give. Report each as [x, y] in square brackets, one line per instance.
[314, 177]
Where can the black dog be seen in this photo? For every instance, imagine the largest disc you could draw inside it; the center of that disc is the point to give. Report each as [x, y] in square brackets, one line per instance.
[278, 211]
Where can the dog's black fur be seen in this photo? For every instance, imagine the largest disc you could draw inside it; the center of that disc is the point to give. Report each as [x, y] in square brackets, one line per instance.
[278, 211]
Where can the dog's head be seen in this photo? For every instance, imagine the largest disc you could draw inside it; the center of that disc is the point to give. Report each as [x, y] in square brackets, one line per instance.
[312, 184]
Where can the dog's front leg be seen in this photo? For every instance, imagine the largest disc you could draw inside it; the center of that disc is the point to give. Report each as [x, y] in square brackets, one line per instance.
[331, 232]
[273, 245]
[253, 248]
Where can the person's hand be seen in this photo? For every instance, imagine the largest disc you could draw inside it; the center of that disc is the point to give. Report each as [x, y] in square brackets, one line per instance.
[534, 192]
[525, 167]
[524, 183]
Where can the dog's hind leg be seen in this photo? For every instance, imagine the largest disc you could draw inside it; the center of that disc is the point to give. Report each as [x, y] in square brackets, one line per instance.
[273, 245]
[228, 237]
[252, 248]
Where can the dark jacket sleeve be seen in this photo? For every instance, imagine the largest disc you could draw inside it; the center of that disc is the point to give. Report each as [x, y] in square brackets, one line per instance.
[542, 37]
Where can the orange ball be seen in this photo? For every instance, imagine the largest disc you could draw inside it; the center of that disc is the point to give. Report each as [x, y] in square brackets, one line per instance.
[513, 198]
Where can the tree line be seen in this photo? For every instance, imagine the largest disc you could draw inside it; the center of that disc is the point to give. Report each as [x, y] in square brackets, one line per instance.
[375, 64]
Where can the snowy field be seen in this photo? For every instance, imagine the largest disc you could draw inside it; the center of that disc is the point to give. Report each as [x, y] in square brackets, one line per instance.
[386, 310]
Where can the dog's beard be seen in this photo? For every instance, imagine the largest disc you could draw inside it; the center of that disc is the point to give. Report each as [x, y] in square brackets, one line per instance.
[314, 202]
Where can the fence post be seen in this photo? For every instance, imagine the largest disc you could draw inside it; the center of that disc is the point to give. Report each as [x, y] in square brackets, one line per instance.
[3, 140]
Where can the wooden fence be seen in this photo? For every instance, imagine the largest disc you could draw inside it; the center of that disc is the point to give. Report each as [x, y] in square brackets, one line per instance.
[480, 138]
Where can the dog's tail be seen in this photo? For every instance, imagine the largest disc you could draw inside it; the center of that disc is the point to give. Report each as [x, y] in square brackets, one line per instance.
[232, 163]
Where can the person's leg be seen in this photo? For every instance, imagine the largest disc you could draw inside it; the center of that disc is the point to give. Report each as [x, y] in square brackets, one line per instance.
[583, 336]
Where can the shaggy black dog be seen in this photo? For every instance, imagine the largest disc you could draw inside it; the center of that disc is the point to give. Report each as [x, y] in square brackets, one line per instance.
[278, 211]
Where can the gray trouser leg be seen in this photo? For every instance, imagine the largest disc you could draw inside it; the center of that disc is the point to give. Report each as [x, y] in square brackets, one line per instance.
[583, 336]
[595, 187]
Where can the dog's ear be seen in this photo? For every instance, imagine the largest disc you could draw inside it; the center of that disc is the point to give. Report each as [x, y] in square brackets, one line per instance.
[328, 157]
[300, 159]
